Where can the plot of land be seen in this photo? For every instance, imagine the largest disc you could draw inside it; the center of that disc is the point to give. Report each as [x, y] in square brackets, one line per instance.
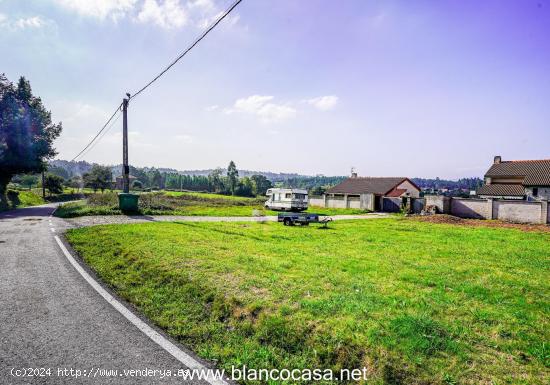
[178, 203]
[414, 302]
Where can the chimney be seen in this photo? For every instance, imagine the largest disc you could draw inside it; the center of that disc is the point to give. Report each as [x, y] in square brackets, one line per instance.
[497, 160]
[354, 175]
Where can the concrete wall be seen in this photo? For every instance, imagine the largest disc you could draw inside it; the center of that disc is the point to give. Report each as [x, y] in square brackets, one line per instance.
[342, 201]
[316, 201]
[517, 211]
[470, 208]
[367, 202]
[442, 203]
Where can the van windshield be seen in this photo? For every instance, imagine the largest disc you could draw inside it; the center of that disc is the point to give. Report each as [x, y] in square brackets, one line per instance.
[299, 196]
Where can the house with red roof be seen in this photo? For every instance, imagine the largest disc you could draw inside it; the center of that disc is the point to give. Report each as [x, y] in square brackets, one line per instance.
[367, 192]
[517, 179]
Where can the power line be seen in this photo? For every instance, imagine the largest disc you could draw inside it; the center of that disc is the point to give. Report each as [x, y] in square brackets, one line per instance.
[202, 36]
[102, 135]
[100, 131]
[195, 42]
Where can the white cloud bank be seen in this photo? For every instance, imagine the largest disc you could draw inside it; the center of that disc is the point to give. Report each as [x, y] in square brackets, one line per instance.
[167, 14]
[324, 103]
[262, 107]
[25, 23]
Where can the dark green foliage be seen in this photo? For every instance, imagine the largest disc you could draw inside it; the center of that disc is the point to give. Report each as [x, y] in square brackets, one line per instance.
[99, 178]
[27, 132]
[53, 183]
[232, 177]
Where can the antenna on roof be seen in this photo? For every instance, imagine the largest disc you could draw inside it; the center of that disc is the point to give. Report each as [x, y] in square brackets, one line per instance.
[353, 172]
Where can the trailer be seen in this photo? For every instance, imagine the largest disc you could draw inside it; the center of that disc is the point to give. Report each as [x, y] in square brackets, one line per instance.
[304, 219]
[286, 199]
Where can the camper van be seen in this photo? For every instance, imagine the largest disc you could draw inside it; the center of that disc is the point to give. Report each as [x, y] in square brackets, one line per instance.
[286, 199]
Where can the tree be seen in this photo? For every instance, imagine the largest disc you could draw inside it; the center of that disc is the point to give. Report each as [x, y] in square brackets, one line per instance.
[260, 184]
[99, 178]
[28, 181]
[232, 177]
[245, 187]
[27, 132]
[53, 183]
[215, 179]
[137, 185]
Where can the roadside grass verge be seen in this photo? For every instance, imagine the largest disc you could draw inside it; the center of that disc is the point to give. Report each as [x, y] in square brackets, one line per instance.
[22, 198]
[413, 302]
[180, 203]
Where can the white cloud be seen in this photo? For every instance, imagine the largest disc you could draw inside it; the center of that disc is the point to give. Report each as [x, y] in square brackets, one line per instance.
[211, 108]
[324, 103]
[205, 22]
[262, 107]
[100, 9]
[32, 22]
[168, 14]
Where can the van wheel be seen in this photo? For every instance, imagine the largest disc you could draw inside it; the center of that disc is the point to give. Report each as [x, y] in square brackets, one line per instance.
[287, 222]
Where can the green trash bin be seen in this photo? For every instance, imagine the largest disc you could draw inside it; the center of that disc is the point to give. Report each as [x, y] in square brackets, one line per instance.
[128, 202]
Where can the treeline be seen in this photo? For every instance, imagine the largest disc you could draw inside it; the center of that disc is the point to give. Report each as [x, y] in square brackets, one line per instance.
[218, 181]
[436, 184]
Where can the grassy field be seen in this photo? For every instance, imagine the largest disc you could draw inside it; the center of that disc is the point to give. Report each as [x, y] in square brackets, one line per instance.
[180, 203]
[414, 302]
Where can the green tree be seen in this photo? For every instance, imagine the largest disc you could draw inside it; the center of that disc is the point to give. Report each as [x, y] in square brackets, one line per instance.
[215, 179]
[260, 184]
[27, 132]
[232, 177]
[245, 187]
[28, 180]
[99, 178]
[53, 183]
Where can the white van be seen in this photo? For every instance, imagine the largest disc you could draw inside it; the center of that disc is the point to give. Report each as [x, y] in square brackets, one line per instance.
[286, 199]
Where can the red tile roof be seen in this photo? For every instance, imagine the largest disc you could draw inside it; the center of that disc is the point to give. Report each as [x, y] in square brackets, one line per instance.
[533, 172]
[507, 190]
[363, 185]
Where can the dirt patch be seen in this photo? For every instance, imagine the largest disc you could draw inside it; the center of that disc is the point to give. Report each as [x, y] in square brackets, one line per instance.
[451, 220]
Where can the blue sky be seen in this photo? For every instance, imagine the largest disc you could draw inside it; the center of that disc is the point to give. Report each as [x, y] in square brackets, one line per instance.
[396, 88]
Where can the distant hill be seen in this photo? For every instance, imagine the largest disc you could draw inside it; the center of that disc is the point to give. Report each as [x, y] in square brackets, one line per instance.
[81, 167]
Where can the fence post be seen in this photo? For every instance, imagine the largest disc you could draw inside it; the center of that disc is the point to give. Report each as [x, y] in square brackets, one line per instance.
[489, 208]
[544, 211]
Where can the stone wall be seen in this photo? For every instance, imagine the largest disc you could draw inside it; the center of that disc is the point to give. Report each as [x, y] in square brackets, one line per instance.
[316, 201]
[469, 208]
[517, 211]
[442, 203]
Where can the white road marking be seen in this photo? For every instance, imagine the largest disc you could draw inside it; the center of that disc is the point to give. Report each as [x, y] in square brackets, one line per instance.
[178, 354]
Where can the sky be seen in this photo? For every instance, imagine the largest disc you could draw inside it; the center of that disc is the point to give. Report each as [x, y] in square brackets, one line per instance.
[391, 88]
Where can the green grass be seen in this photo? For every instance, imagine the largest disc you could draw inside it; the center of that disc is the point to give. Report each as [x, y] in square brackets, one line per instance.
[416, 303]
[181, 203]
[22, 198]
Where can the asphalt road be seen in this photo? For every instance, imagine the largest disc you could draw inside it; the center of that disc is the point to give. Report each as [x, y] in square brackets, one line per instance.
[50, 316]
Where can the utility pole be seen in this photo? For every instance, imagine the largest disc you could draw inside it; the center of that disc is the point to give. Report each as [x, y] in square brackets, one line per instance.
[125, 166]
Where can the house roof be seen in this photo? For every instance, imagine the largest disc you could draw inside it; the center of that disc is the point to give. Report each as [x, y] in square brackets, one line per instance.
[362, 185]
[534, 172]
[502, 190]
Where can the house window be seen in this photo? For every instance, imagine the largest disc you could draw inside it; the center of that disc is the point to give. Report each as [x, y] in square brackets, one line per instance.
[288, 195]
[535, 191]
